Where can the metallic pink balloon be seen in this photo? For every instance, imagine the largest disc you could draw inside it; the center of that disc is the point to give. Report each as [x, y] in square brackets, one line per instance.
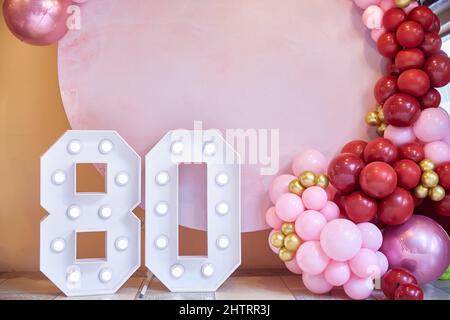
[419, 245]
[37, 22]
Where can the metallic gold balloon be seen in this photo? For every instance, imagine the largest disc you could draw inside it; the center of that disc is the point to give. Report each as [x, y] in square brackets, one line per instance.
[427, 165]
[307, 179]
[380, 113]
[287, 228]
[286, 255]
[436, 194]
[381, 128]
[430, 179]
[292, 242]
[296, 187]
[421, 192]
[372, 118]
[277, 239]
[402, 3]
[322, 181]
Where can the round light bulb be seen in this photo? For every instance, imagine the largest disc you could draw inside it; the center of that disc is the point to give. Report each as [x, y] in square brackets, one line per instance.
[223, 242]
[162, 242]
[162, 208]
[74, 212]
[222, 208]
[222, 179]
[105, 146]
[105, 212]
[58, 245]
[177, 270]
[121, 244]
[105, 275]
[177, 147]
[74, 147]
[207, 270]
[74, 276]
[162, 178]
[122, 179]
[209, 149]
[59, 177]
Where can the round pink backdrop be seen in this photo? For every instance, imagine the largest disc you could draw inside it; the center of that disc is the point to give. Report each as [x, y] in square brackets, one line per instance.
[143, 67]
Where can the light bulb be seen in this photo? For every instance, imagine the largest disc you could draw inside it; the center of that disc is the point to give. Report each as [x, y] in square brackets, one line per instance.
[58, 245]
[105, 275]
[207, 270]
[121, 244]
[59, 177]
[74, 147]
[177, 270]
[177, 147]
[74, 212]
[222, 208]
[105, 146]
[105, 212]
[74, 276]
[162, 242]
[222, 179]
[223, 242]
[162, 208]
[162, 178]
[122, 179]
[209, 149]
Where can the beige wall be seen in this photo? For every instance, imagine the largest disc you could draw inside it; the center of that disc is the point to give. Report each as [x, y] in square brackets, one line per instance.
[31, 119]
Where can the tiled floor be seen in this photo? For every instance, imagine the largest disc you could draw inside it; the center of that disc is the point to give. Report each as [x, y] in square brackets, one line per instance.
[248, 286]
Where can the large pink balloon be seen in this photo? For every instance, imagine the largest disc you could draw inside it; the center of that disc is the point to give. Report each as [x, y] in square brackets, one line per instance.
[371, 236]
[341, 239]
[309, 160]
[311, 258]
[437, 151]
[359, 288]
[365, 263]
[433, 124]
[37, 22]
[316, 283]
[309, 224]
[279, 186]
[337, 273]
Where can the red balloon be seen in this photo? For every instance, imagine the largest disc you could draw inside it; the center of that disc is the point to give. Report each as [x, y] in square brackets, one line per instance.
[442, 207]
[431, 99]
[431, 44]
[344, 171]
[393, 18]
[396, 208]
[387, 45]
[356, 147]
[436, 25]
[360, 207]
[443, 170]
[408, 173]
[378, 179]
[409, 59]
[393, 279]
[410, 34]
[437, 67]
[412, 151]
[381, 149]
[339, 199]
[401, 110]
[384, 88]
[422, 15]
[408, 291]
[414, 82]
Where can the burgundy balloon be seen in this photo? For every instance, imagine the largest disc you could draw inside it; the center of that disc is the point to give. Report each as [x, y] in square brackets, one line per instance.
[381, 149]
[359, 207]
[412, 151]
[396, 208]
[431, 99]
[443, 170]
[384, 88]
[344, 171]
[339, 198]
[422, 15]
[408, 173]
[391, 68]
[414, 82]
[401, 110]
[436, 25]
[387, 45]
[410, 34]
[431, 44]
[378, 179]
[409, 59]
[356, 147]
[442, 207]
[393, 18]
[395, 277]
[437, 67]
[408, 291]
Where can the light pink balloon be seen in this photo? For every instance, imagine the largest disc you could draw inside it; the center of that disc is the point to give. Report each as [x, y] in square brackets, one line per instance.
[293, 267]
[383, 262]
[399, 135]
[373, 17]
[387, 4]
[341, 239]
[309, 224]
[375, 34]
[363, 4]
[272, 219]
[358, 288]
[337, 273]
[289, 206]
[274, 249]
[364, 263]
[311, 258]
[437, 151]
[316, 283]
[372, 237]
[280, 186]
[330, 211]
[315, 198]
[309, 160]
[433, 124]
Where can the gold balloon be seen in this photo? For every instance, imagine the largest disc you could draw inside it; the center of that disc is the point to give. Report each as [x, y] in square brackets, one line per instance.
[277, 239]
[307, 179]
[402, 3]
[421, 192]
[380, 113]
[322, 181]
[286, 255]
[427, 165]
[296, 187]
[287, 228]
[430, 179]
[381, 128]
[292, 242]
[372, 118]
[436, 194]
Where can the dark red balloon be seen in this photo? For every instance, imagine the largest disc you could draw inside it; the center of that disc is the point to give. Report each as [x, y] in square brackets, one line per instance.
[408, 173]
[391, 68]
[395, 277]
[422, 15]
[393, 18]
[431, 99]
[443, 170]
[401, 110]
[344, 171]
[384, 88]
[437, 67]
[414, 82]
[381, 149]
[431, 44]
[442, 207]
[410, 34]
[409, 59]
[360, 207]
[408, 291]
[387, 45]
[436, 25]
[339, 199]
[356, 147]
[412, 151]
[378, 179]
[396, 208]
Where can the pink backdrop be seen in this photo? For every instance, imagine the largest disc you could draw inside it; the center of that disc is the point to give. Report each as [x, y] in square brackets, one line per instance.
[143, 67]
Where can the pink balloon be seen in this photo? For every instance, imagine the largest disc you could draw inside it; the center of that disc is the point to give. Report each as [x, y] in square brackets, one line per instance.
[433, 124]
[280, 186]
[411, 6]
[437, 151]
[337, 273]
[358, 288]
[375, 34]
[274, 249]
[364, 263]
[315, 198]
[341, 239]
[316, 283]
[309, 160]
[289, 206]
[372, 237]
[309, 224]
[311, 258]
[330, 211]
[382, 262]
[387, 4]
[293, 267]
[37, 22]
[272, 219]
[363, 4]
[399, 135]
[373, 17]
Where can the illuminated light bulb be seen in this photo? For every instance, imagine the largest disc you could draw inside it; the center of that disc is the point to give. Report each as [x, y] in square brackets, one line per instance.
[105, 146]
[74, 276]
[162, 242]
[177, 270]
[177, 147]
[209, 149]
[74, 212]
[122, 179]
[59, 177]
[162, 208]
[105, 212]
[222, 208]
[223, 242]
[222, 179]
[58, 245]
[121, 244]
[162, 178]
[105, 275]
[74, 147]
[207, 270]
